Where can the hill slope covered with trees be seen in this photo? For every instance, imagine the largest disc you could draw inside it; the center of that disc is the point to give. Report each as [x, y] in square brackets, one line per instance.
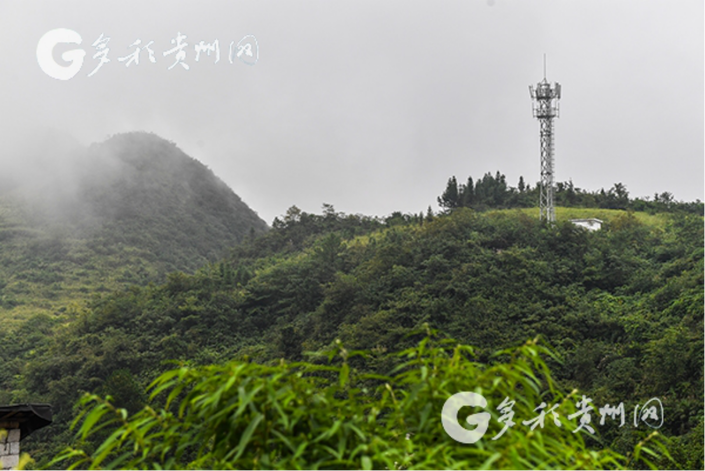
[115, 268]
[622, 306]
[126, 211]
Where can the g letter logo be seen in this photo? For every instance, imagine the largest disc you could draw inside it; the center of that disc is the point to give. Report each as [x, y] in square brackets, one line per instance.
[45, 53]
[449, 417]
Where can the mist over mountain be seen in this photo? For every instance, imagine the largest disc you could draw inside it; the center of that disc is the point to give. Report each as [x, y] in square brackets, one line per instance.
[136, 189]
[130, 210]
[142, 182]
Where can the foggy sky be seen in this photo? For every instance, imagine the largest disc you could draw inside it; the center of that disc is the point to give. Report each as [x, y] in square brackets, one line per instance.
[372, 105]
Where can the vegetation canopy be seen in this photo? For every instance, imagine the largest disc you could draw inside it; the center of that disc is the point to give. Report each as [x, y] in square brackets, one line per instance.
[330, 414]
[101, 308]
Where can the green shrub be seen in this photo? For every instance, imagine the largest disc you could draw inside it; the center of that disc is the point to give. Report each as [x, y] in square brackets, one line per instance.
[331, 413]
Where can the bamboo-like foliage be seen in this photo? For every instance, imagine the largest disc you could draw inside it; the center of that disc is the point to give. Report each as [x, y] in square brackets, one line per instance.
[328, 413]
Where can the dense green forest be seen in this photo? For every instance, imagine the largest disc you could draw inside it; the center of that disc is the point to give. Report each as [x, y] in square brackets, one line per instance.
[620, 309]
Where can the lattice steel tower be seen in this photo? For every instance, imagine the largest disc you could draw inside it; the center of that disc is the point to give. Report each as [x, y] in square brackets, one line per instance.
[545, 107]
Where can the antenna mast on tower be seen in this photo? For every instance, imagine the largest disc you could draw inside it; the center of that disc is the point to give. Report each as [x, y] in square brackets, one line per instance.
[545, 107]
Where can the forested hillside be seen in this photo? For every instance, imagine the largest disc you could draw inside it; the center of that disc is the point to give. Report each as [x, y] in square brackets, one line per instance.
[76, 222]
[131, 255]
[622, 306]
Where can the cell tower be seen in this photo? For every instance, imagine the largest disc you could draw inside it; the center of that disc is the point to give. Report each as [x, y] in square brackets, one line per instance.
[545, 107]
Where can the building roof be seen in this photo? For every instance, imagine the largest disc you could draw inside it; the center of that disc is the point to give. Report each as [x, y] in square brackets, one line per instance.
[591, 224]
[590, 220]
[29, 417]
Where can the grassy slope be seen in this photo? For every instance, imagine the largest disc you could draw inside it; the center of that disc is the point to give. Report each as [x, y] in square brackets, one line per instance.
[607, 215]
[46, 270]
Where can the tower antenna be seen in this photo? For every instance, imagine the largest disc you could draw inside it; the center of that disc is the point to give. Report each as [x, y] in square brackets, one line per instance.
[544, 66]
[545, 107]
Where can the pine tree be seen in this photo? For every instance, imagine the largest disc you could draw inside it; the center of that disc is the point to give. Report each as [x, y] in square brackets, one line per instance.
[450, 198]
[500, 190]
[468, 195]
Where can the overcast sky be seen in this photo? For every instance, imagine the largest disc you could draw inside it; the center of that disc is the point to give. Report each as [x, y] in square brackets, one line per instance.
[372, 105]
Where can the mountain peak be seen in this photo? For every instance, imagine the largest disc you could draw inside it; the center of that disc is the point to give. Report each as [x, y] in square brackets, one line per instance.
[141, 189]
